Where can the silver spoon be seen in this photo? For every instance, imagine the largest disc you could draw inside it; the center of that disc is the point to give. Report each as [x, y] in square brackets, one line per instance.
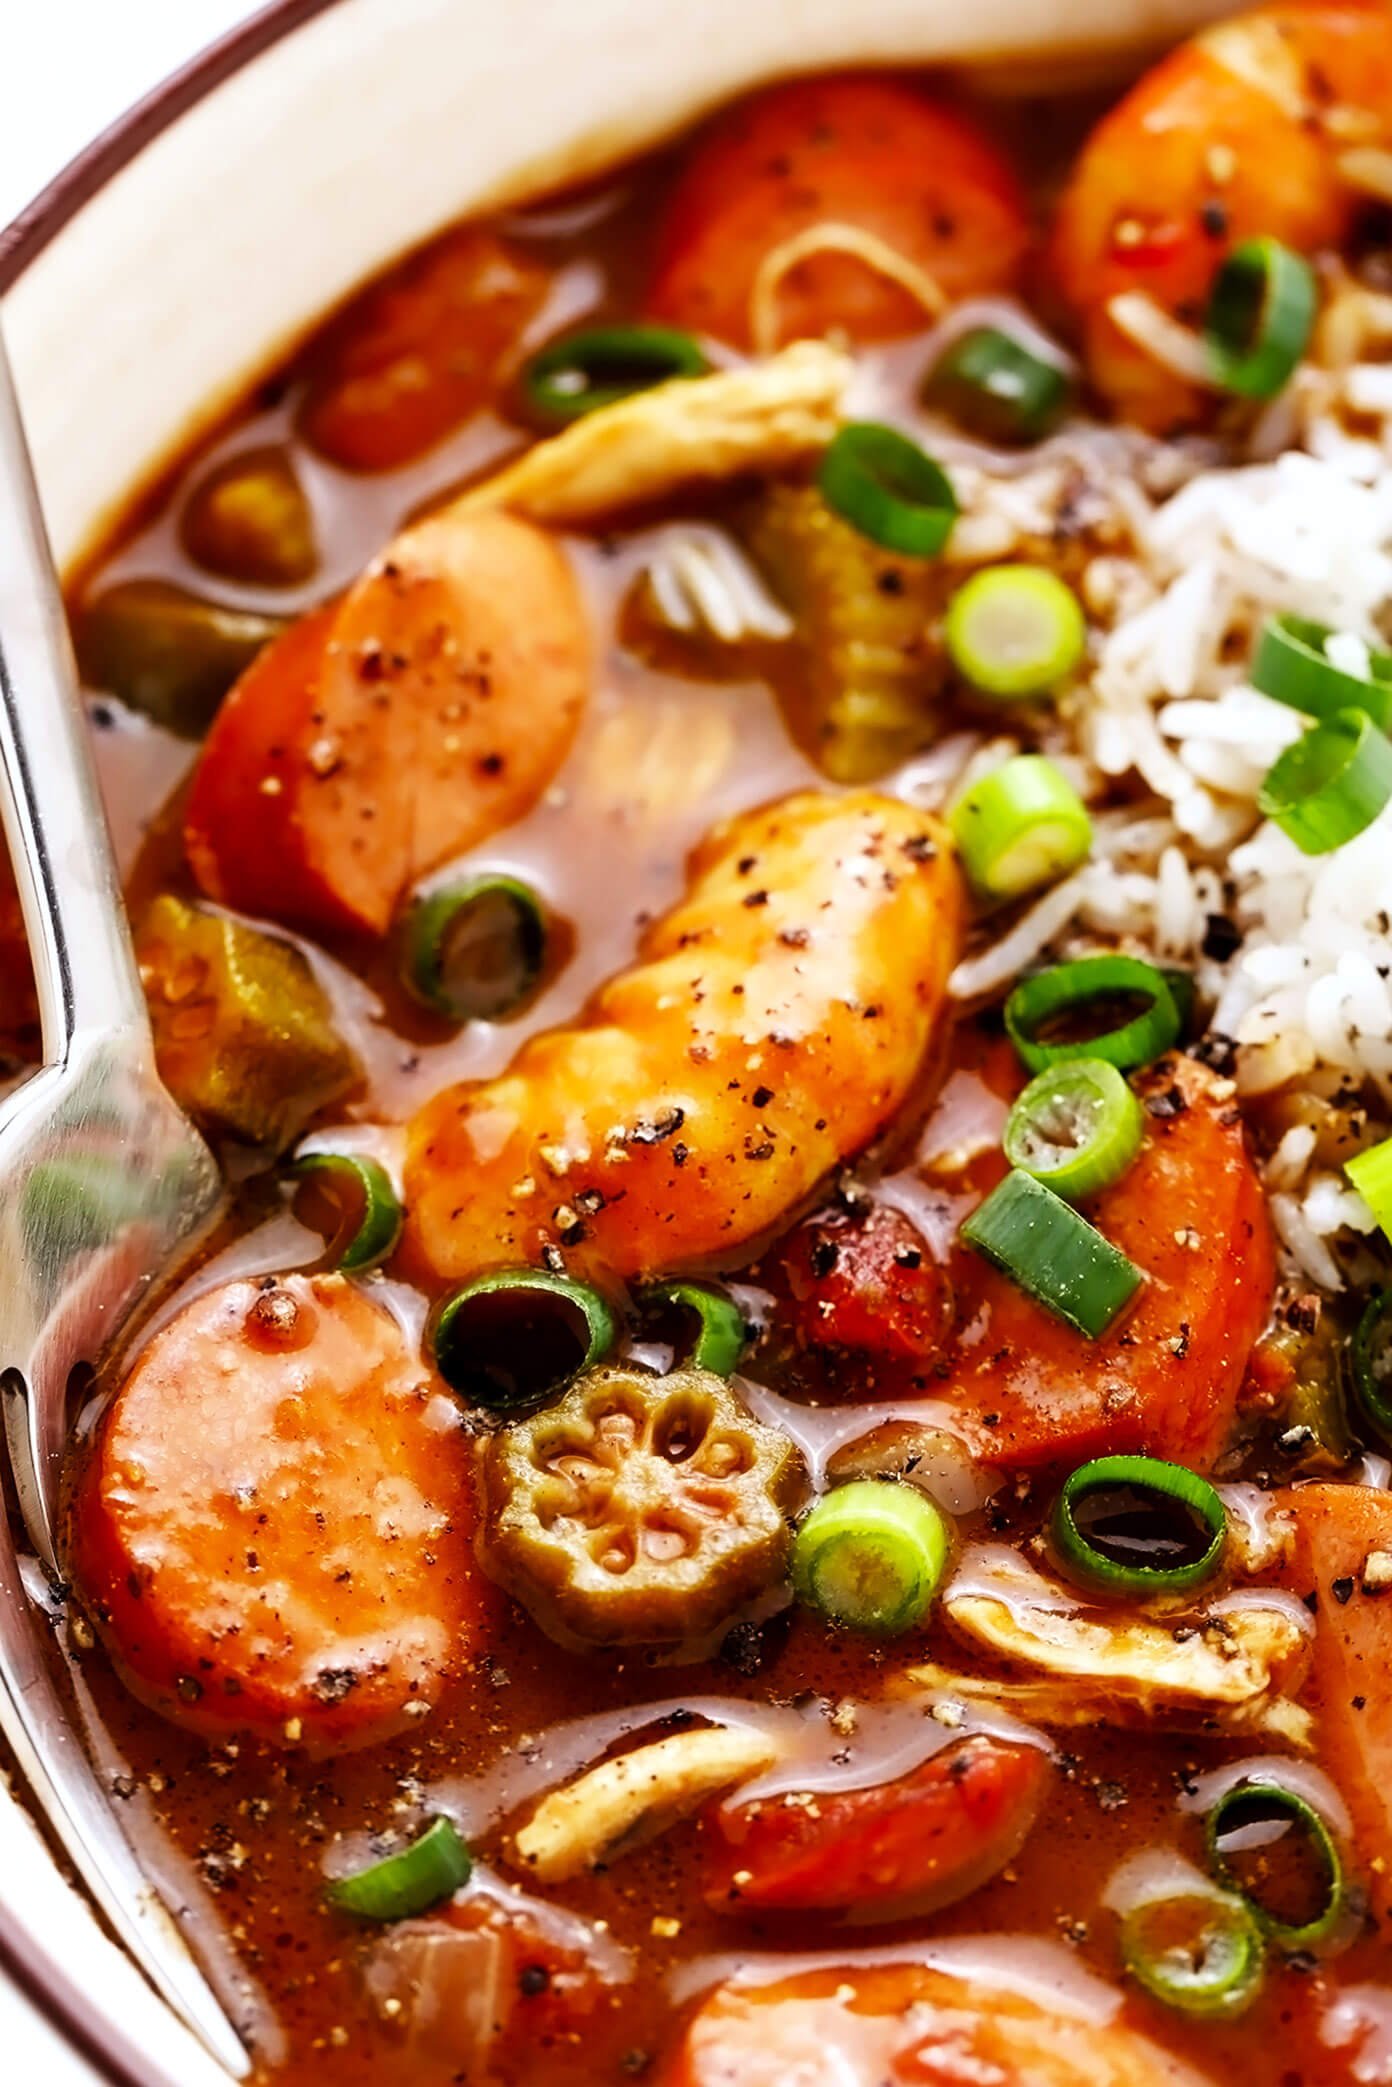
[104, 1184]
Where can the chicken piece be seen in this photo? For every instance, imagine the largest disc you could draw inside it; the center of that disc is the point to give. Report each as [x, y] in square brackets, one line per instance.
[776, 1021]
[621, 1803]
[691, 431]
[1234, 1663]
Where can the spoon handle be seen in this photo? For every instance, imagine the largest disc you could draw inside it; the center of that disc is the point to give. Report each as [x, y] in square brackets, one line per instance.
[49, 800]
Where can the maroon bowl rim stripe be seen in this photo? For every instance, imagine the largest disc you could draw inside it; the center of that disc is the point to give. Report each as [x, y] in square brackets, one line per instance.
[22, 241]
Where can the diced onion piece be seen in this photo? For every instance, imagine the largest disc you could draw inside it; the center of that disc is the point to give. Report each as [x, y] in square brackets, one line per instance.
[1015, 630]
[1200, 1952]
[1137, 1525]
[410, 1882]
[1331, 784]
[1260, 316]
[1076, 1127]
[885, 486]
[870, 1555]
[368, 1207]
[1041, 1001]
[582, 372]
[1053, 1254]
[517, 1337]
[1021, 826]
[1292, 666]
[1254, 1816]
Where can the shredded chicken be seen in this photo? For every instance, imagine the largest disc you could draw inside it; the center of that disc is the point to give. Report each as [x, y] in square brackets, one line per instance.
[691, 431]
[628, 1800]
[1236, 1663]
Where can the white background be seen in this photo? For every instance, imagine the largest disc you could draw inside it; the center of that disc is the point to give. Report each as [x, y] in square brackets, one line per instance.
[72, 66]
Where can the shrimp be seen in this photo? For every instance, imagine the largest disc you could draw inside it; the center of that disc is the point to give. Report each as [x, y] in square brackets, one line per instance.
[776, 1021]
[1261, 125]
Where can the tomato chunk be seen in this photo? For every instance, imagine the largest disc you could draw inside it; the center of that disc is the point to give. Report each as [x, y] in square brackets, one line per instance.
[858, 153]
[378, 738]
[273, 1530]
[908, 2025]
[419, 352]
[930, 1836]
[1027, 1389]
[1343, 1558]
[866, 1281]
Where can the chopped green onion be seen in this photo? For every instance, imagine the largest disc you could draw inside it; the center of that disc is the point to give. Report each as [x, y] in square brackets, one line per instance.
[1292, 667]
[1260, 316]
[1021, 826]
[474, 951]
[433, 1868]
[1273, 1848]
[1054, 1255]
[577, 375]
[366, 1221]
[1135, 1525]
[1036, 1010]
[1182, 992]
[1015, 630]
[1371, 1174]
[883, 485]
[1331, 785]
[517, 1337]
[870, 1555]
[721, 1332]
[1370, 1353]
[1200, 1952]
[1076, 1127]
[998, 388]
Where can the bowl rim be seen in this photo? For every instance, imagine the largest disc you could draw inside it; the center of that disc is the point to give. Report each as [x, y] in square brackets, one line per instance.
[127, 135]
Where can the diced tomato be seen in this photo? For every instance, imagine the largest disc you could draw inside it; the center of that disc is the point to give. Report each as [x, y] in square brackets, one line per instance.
[908, 2025]
[1342, 1565]
[380, 736]
[854, 152]
[1191, 1213]
[420, 351]
[929, 1837]
[273, 1526]
[866, 1281]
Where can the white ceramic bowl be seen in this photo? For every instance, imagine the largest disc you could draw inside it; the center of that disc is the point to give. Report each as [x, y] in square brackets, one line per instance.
[188, 248]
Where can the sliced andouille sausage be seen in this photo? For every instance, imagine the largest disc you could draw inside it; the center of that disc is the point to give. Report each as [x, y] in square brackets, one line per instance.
[911, 2025]
[274, 1527]
[776, 1021]
[1342, 1565]
[1190, 1212]
[419, 351]
[382, 735]
[858, 155]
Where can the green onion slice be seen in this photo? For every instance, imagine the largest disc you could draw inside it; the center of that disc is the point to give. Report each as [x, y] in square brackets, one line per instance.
[1015, 630]
[1043, 1007]
[1135, 1525]
[1370, 1353]
[517, 1337]
[1021, 826]
[363, 1219]
[1331, 785]
[432, 1868]
[1199, 1952]
[721, 1331]
[1054, 1255]
[999, 389]
[1272, 1847]
[1259, 319]
[1371, 1174]
[886, 487]
[473, 951]
[1076, 1127]
[870, 1555]
[1292, 667]
[583, 371]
